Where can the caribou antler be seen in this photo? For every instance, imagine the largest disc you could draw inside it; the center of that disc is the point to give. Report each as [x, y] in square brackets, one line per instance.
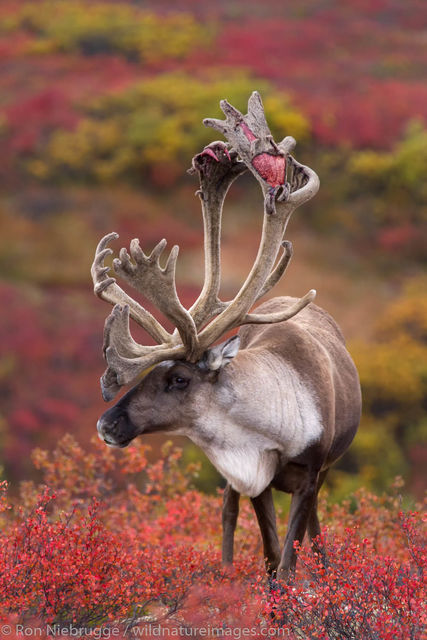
[106, 288]
[125, 357]
[217, 169]
[157, 284]
[285, 183]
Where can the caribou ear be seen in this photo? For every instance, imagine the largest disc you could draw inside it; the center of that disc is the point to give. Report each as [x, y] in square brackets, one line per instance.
[217, 357]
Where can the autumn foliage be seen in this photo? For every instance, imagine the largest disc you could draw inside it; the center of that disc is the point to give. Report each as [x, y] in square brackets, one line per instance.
[100, 114]
[109, 539]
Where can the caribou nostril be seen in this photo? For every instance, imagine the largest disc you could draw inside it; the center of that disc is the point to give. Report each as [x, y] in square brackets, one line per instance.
[109, 428]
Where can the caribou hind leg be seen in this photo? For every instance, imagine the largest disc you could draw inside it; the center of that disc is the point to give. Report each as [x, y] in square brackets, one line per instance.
[230, 511]
[313, 524]
[303, 505]
[266, 515]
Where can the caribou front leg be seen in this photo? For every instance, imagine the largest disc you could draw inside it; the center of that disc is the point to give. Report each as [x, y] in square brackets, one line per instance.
[266, 515]
[230, 511]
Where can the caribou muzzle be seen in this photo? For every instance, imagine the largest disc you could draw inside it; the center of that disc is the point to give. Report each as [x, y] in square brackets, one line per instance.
[115, 428]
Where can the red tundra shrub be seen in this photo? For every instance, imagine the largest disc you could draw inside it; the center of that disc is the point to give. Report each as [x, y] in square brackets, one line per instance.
[71, 569]
[117, 542]
[355, 592]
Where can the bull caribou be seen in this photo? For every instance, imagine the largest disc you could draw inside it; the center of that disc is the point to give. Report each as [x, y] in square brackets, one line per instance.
[273, 406]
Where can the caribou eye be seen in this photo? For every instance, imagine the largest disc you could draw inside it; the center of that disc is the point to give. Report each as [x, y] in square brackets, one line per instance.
[177, 382]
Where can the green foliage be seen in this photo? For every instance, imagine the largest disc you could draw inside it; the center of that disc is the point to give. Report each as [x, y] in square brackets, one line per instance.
[397, 177]
[93, 28]
[401, 170]
[208, 479]
[407, 316]
[157, 125]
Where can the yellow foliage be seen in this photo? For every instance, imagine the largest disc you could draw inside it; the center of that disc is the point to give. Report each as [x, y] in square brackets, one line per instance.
[408, 315]
[285, 120]
[380, 456]
[393, 372]
[370, 163]
[400, 172]
[393, 375]
[73, 25]
[93, 148]
[38, 169]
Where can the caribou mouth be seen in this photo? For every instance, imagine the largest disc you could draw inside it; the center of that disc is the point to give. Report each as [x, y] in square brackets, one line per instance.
[115, 445]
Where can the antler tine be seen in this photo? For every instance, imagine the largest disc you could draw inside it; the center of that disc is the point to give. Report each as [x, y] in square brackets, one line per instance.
[279, 270]
[304, 183]
[281, 316]
[157, 284]
[106, 288]
[117, 333]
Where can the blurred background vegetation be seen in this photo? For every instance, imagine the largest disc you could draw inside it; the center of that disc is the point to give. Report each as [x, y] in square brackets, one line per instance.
[100, 114]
